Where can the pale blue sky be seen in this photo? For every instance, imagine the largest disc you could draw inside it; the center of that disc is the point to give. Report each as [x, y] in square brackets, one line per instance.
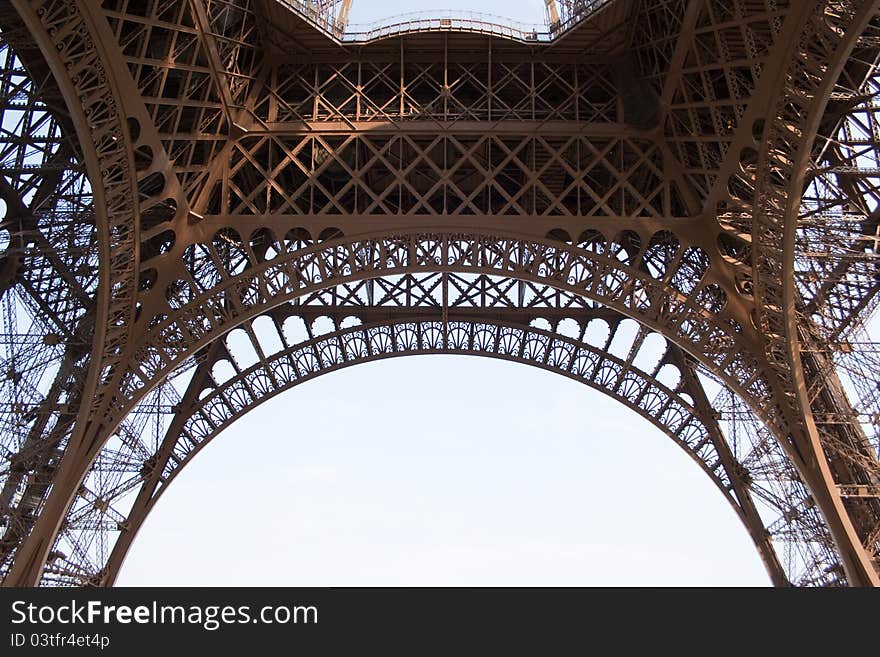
[443, 470]
[522, 11]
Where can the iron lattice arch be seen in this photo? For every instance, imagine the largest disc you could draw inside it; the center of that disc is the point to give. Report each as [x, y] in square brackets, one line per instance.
[206, 203]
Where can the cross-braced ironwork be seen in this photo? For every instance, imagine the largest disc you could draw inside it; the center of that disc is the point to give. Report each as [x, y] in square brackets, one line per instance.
[208, 202]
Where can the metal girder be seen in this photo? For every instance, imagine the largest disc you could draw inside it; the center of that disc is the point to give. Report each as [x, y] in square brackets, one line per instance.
[49, 283]
[701, 167]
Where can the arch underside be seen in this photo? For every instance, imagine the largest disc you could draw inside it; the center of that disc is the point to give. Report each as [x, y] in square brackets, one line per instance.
[575, 343]
[393, 221]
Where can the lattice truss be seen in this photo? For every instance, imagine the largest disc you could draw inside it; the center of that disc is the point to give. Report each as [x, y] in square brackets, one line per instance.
[49, 279]
[332, 15]
[562, 14]
[269, 212]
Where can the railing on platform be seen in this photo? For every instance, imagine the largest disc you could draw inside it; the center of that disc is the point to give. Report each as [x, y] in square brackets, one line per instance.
[442, 21]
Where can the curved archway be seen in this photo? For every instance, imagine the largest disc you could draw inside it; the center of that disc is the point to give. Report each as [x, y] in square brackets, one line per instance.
[221, 390]
[527, 479]
[245, 293]
[706, 320]
[616, 280]
[671, 408]
[686, 302]
[554, 268]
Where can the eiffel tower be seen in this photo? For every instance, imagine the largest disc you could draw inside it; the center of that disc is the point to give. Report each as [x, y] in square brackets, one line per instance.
[208, 202]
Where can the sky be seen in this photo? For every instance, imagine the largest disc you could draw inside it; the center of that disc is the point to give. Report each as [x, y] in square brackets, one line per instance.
[521, 11]
[443, 470]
